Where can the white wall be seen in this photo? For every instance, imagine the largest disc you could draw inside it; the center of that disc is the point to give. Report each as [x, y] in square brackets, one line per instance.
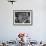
[38, 30]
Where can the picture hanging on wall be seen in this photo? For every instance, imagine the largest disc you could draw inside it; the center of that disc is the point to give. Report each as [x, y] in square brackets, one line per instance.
[22, 17]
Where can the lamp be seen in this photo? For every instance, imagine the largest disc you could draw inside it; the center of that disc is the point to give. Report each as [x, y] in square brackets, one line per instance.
[12, 1]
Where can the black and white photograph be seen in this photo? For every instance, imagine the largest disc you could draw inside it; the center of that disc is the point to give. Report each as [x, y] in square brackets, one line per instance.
[22, 16]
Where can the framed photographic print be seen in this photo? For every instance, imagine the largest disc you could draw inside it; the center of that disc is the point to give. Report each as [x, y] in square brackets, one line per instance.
[22, 17]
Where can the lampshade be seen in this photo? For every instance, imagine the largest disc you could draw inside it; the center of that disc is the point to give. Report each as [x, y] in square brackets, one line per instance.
[12, 1]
